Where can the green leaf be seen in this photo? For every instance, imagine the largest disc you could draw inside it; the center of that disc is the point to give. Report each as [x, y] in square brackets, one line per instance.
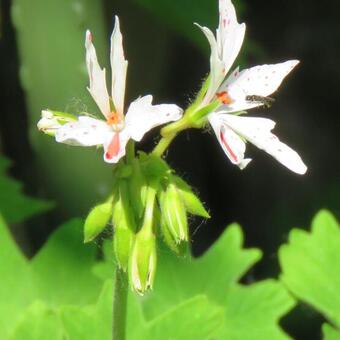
[38, 323]
[59, 274]
[14, 205]
[329, 333]
[90, 322]
[16, 290]
[62, 269]
[310, 265]
[249, 312]
[196, 318]
[215, 275]
[252, 311]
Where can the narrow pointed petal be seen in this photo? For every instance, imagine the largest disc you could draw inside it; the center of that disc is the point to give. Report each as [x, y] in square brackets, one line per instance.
[232, 145]
[86, 131]
[97, 88]
[217, 70]
[118, 67]
[230, 34]
[115, 145]
[259, 80]
[142, 116]
[258, 132]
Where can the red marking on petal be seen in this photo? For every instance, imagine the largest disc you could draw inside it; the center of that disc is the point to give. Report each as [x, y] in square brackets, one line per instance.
[224, 22]
[224, 97]
[90, 36]
[114, 147]
[229, 150]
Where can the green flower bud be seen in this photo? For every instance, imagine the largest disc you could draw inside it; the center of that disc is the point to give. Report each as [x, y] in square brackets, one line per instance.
[137, 188]
[124, 225]
[192, 203]
[97, 219]
[143, 261]
[174, 214]
[181, 249]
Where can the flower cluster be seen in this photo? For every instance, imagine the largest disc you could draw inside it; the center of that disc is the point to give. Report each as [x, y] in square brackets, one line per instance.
[240, 91]
[148, 199]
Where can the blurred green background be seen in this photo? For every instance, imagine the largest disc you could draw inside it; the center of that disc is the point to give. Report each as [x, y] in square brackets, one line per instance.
[42, 66]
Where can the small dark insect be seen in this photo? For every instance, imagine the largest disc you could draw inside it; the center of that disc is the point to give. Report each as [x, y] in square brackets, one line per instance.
[265, 101]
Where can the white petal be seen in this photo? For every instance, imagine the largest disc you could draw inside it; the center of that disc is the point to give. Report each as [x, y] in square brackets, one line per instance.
[230, 34]
[97, 78]
[86, 131]
[142, 116]
[217, 70]
[233, 146]
[259, 80]
[115, 145]
[118, 67]
[258, 132]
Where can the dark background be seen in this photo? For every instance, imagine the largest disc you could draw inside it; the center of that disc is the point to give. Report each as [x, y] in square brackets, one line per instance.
[266, 198]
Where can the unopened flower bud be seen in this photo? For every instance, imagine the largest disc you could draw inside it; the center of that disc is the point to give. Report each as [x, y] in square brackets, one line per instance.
[124, 226]
[51, 121]
[179, 249]
[137, 188]
[96, 220]
[143, 261]
[174, 214]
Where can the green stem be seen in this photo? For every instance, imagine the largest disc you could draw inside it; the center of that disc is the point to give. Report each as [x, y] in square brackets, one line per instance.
[130, 151]
[169, 132]
[119, 305]
[162, 145]
[189, 120]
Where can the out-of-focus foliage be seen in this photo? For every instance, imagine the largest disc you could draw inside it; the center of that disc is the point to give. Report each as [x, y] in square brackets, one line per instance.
[14, 205]
[53, 75]
[180, 15]
[53, 295]
[311, 268]
[48, 293]
[59, 274]
[248, 310]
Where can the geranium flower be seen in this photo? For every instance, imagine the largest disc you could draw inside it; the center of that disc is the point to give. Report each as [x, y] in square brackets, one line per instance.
[114, 132]
[241, 91]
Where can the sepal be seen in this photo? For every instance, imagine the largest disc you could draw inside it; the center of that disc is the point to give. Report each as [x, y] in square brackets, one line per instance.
[192, 203]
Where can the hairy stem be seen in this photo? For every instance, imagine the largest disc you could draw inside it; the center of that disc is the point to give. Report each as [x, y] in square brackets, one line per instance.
[119, 305]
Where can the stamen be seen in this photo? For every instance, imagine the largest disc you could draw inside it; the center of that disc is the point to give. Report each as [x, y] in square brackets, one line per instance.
[113, 118]
[224, 98]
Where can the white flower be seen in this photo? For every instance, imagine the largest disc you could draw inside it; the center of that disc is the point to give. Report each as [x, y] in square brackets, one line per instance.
[115, 131]
[241, 91]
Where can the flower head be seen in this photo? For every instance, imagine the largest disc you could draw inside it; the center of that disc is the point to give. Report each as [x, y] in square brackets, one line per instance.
[116, 129]
[243, 90]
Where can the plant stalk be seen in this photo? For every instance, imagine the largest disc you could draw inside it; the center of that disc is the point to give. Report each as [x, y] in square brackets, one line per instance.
[120, 291]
